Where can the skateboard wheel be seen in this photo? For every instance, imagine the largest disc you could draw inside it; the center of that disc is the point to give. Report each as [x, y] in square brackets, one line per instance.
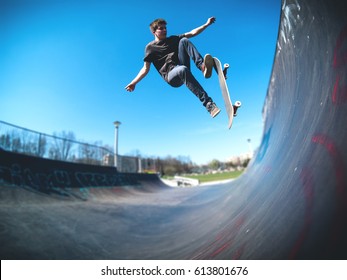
[226, 66]
[237, 104]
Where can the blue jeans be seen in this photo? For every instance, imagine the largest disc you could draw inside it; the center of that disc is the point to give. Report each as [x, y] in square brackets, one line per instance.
[181, 74]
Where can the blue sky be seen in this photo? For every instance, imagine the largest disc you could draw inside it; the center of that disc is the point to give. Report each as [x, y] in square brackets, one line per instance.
[64, 66]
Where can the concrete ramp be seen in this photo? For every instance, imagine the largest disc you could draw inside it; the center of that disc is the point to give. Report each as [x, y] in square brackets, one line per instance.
[290, 204]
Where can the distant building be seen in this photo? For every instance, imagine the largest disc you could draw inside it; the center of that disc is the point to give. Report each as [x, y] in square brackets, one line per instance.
[240, 160]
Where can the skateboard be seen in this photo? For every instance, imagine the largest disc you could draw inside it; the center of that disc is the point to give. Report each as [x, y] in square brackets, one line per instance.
[222, 75]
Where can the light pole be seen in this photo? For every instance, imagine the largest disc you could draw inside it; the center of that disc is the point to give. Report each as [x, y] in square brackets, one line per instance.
[250, 147]
[116, 125]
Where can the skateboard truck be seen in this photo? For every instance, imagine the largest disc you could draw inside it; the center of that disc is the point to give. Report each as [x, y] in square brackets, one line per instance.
[225, 69]
[236, 106]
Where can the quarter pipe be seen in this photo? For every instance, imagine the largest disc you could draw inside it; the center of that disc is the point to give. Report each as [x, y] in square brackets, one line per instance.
[291, 203]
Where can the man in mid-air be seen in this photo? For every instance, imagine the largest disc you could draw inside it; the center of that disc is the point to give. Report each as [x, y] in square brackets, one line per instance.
[171, 57]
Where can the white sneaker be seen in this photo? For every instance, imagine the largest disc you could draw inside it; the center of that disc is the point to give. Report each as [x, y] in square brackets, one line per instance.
[208, 65]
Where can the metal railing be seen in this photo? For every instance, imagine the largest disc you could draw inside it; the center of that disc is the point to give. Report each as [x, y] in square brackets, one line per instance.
[22, 140]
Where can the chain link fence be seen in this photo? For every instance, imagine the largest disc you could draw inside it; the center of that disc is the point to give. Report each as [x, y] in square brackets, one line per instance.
[25, 141]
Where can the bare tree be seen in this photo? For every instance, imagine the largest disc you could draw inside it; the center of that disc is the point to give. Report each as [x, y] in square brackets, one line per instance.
[63, 145]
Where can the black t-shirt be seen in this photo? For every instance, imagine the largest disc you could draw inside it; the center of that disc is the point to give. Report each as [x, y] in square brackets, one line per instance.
[163, 54]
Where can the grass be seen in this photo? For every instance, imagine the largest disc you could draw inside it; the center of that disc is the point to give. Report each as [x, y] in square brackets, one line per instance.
[215, 177]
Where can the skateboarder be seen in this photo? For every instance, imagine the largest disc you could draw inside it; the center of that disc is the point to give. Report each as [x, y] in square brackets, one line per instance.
[171, 57]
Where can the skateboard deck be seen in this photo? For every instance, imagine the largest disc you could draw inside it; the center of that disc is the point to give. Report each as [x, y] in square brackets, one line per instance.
[231, 110]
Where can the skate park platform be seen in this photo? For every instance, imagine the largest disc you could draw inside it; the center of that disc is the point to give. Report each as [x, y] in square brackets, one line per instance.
[291, 203]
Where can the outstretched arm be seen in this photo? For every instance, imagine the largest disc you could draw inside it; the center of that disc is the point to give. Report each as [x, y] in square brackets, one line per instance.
[142, 73]
[201, 28]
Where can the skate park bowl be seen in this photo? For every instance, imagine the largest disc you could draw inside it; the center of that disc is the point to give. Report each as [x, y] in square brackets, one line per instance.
[291, 203]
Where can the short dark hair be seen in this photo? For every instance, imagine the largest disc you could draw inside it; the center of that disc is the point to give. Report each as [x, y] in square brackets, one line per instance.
[155, 24]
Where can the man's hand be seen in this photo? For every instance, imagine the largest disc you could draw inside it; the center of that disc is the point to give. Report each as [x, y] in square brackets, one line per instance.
[211, 20]
[130, 87]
